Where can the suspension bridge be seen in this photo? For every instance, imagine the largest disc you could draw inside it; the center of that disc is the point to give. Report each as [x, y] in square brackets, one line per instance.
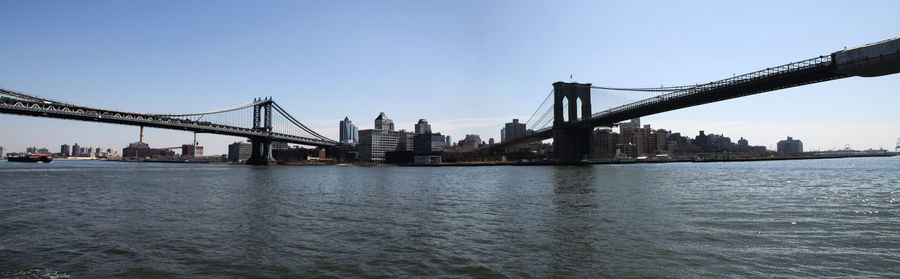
[262, 121]
[570, 123]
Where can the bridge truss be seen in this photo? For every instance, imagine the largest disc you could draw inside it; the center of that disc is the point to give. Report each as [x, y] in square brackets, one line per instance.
[241, 121]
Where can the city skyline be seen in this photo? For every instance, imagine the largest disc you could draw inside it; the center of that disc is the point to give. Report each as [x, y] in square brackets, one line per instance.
[482, 64]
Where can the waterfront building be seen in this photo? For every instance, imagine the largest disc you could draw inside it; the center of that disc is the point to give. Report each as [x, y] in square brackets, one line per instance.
[512, 130]
[65, 150]
[373, 143]
[349, 132]
[450, 141]
[239, 151]
[76, 150]
[141, 150]
[430, 143]
[405, 141]
[382, 122]
[191, 150]
[280, 145]
[422, 127]
[790, 145]
[603, 143]
[1, 151]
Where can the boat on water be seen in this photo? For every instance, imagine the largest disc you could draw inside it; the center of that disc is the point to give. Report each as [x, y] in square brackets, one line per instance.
[29, 158]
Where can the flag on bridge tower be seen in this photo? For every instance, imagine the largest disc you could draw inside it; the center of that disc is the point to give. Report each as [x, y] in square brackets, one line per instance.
[570, 76]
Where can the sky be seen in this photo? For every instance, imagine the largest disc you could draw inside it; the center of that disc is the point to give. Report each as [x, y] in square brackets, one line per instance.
[465, 66]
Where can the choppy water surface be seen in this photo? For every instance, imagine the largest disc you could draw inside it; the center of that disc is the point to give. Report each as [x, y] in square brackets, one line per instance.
[815, 218]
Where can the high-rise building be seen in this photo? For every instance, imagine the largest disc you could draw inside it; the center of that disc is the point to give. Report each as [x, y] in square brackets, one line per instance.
[790, 145]
[382, 122]
[422, 127]
[239, 151]
[349, 132]
[65, 150]
[512, 130]
[450, 141]
[76, 150]
[430, 143]
[1, 151]
[373, 143]
[405, 141]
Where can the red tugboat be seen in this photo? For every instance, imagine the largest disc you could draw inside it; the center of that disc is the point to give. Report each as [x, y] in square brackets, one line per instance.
[28, 158]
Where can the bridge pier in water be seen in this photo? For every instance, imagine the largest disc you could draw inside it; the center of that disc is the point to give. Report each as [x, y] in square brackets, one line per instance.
[572, 130]
[261, 154]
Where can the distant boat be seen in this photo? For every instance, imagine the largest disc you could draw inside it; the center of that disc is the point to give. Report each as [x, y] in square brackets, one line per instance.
[29, 158]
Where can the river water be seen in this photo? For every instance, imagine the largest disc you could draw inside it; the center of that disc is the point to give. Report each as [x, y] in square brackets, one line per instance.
[810, 218]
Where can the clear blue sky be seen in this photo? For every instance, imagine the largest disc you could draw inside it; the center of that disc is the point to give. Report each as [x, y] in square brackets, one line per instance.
[466, 66]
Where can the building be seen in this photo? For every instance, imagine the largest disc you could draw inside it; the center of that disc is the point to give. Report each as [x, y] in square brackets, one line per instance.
[430, 143]
[373, 143]
[422, 127]
[405, 141]
[603, 143]
[382, 122]
[450, 142]
[790, 145]
[190, 150]
[512, 130]
[1, 151]
[491, 141]
[280, 145]
[64, 150]
[76, 150]
[634, 124]
[142, 150]
[349, 132]
[239, 151]
[470, 143]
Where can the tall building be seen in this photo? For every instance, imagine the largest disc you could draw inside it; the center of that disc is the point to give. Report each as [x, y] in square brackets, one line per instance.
[1, 151]
[373, 143]
[239, 151]
[422, 127]
[450, 142]
[430, 143]
[405, 141]
[76, 150]
[790, 145]
[64, 150]
[382, 122]
[512, 130]
[349, 132]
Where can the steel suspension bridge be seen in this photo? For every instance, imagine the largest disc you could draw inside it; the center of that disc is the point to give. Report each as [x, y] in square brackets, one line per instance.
[569, 121]
[262, 121]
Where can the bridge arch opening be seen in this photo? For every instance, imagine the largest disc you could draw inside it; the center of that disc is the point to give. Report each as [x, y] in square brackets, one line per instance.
[578, 110]
[565, 109]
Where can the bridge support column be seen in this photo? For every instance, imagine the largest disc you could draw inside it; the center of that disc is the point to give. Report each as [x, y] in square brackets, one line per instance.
[572, 135]
[261, 153]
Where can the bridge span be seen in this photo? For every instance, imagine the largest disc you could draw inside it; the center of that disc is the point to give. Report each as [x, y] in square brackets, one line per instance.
[262, 121]
[876, 59]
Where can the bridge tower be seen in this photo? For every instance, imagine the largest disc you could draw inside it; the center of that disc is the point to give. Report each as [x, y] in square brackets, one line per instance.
[261, 154]
[571, 134]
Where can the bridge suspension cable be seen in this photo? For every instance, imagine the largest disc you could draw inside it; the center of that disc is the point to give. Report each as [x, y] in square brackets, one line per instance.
[538, 108]
[647, 89]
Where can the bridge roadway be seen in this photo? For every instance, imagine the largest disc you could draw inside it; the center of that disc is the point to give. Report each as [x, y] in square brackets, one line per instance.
[877, 59]
[22, 104]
